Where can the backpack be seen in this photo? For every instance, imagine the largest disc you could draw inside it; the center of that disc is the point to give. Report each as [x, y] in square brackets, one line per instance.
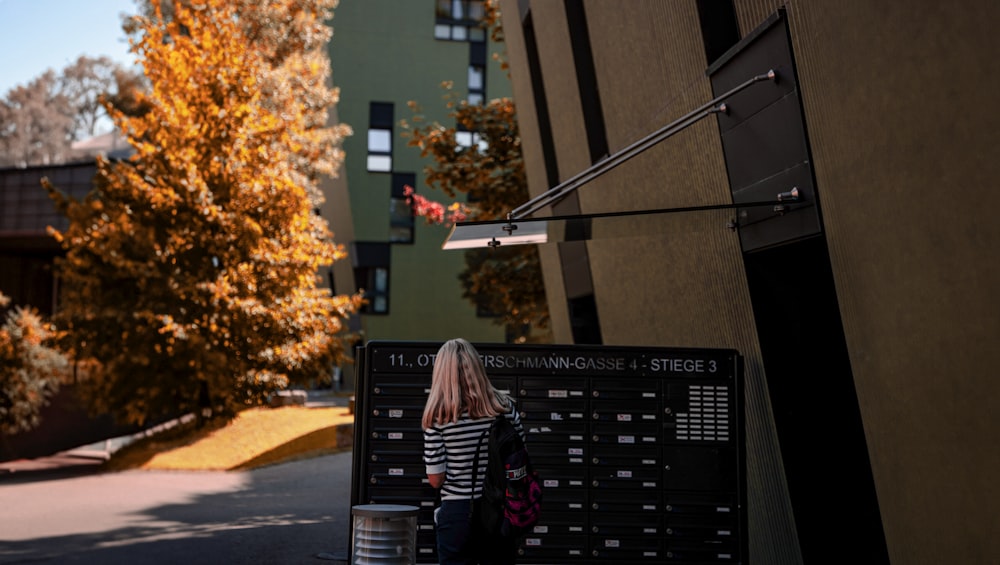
[512, 490]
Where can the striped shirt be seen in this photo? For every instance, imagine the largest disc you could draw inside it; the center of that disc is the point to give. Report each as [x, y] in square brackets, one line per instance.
[451, 449]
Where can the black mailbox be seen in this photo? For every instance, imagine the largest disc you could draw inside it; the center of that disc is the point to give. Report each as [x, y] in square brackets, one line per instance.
[640, 450]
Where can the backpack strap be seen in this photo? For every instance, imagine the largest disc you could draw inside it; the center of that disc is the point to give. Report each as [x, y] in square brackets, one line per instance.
[475, 469]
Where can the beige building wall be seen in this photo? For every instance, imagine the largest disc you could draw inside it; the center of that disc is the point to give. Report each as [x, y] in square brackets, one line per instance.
[899, 103]
[900, 99]
[684, 284]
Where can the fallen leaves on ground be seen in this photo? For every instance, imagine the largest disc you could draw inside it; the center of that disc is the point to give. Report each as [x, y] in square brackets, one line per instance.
[255, 438]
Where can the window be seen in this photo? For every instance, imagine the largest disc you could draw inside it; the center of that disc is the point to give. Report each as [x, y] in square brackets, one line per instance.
[380, 137]
[459, 20]
[477, 84]
[468, 139]
[371, 273]
[400, 213]
[375, 282]
[379, 295]
[477, 73]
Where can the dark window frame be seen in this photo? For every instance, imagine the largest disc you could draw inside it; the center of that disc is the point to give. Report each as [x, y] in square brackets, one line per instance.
[380, 118]
[399, 223]
[462, 27]
[370, 257]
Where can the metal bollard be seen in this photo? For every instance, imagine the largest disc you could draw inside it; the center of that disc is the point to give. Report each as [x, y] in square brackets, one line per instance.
[384, 534]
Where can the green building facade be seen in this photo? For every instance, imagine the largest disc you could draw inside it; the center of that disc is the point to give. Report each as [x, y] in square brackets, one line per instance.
[384, 54]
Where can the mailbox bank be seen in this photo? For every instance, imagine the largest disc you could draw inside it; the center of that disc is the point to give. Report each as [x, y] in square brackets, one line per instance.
[640, 450]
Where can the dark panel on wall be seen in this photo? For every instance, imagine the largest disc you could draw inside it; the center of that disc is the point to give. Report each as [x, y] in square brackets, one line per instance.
[764, 139]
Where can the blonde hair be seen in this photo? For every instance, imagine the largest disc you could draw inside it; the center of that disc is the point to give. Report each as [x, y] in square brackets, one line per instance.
[459, 385]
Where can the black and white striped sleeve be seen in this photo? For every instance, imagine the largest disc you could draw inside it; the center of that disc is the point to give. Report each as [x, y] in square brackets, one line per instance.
[435, 456]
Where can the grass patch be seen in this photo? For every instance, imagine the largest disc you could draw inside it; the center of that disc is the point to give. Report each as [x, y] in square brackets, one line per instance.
[256, 437]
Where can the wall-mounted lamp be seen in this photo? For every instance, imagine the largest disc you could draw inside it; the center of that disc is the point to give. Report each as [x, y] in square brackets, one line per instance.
[492, 234]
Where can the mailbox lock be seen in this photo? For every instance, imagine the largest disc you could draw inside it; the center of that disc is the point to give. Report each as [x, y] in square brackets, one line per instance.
[670, 531]
[596, 439]
[374, 457]
[373, 481]
[378, 390]
[375, 412]
[524, 392]
[666, 467]
[374, 435]
[669, 508]
[595, 506]
[596, 460]
[595, 483]
[595, 553]
[667, 410]
[595, 529]
[596, 393]
[597, 416]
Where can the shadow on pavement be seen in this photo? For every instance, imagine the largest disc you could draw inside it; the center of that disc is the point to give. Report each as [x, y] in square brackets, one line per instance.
[296, 512]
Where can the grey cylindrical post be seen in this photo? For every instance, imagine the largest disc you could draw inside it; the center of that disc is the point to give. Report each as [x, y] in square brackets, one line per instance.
[384, 534]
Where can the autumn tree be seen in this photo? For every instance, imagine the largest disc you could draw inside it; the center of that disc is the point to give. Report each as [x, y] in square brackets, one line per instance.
[485, 180]
[86, 83]
[31, 368]
[36, 123]
[291, 40]
[40, 121]
[190, 273]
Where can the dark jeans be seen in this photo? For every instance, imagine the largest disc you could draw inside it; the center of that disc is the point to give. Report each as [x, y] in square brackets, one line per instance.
[462, 541]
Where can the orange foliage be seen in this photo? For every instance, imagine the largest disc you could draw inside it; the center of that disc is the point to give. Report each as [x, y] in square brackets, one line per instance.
[506, 281]
[190, 272]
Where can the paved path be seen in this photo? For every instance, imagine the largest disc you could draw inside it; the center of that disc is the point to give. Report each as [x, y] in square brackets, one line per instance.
[290, 513]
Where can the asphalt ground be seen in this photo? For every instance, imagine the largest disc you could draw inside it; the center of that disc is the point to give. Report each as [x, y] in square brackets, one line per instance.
[64, 509]
[297, 512]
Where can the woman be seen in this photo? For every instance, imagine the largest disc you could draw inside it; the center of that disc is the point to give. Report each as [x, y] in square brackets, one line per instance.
[461, 406]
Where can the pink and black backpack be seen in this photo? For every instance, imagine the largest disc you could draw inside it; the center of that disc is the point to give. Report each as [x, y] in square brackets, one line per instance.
[512, 490]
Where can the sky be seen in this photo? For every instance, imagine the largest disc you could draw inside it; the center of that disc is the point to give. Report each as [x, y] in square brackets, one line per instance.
[36, 35]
